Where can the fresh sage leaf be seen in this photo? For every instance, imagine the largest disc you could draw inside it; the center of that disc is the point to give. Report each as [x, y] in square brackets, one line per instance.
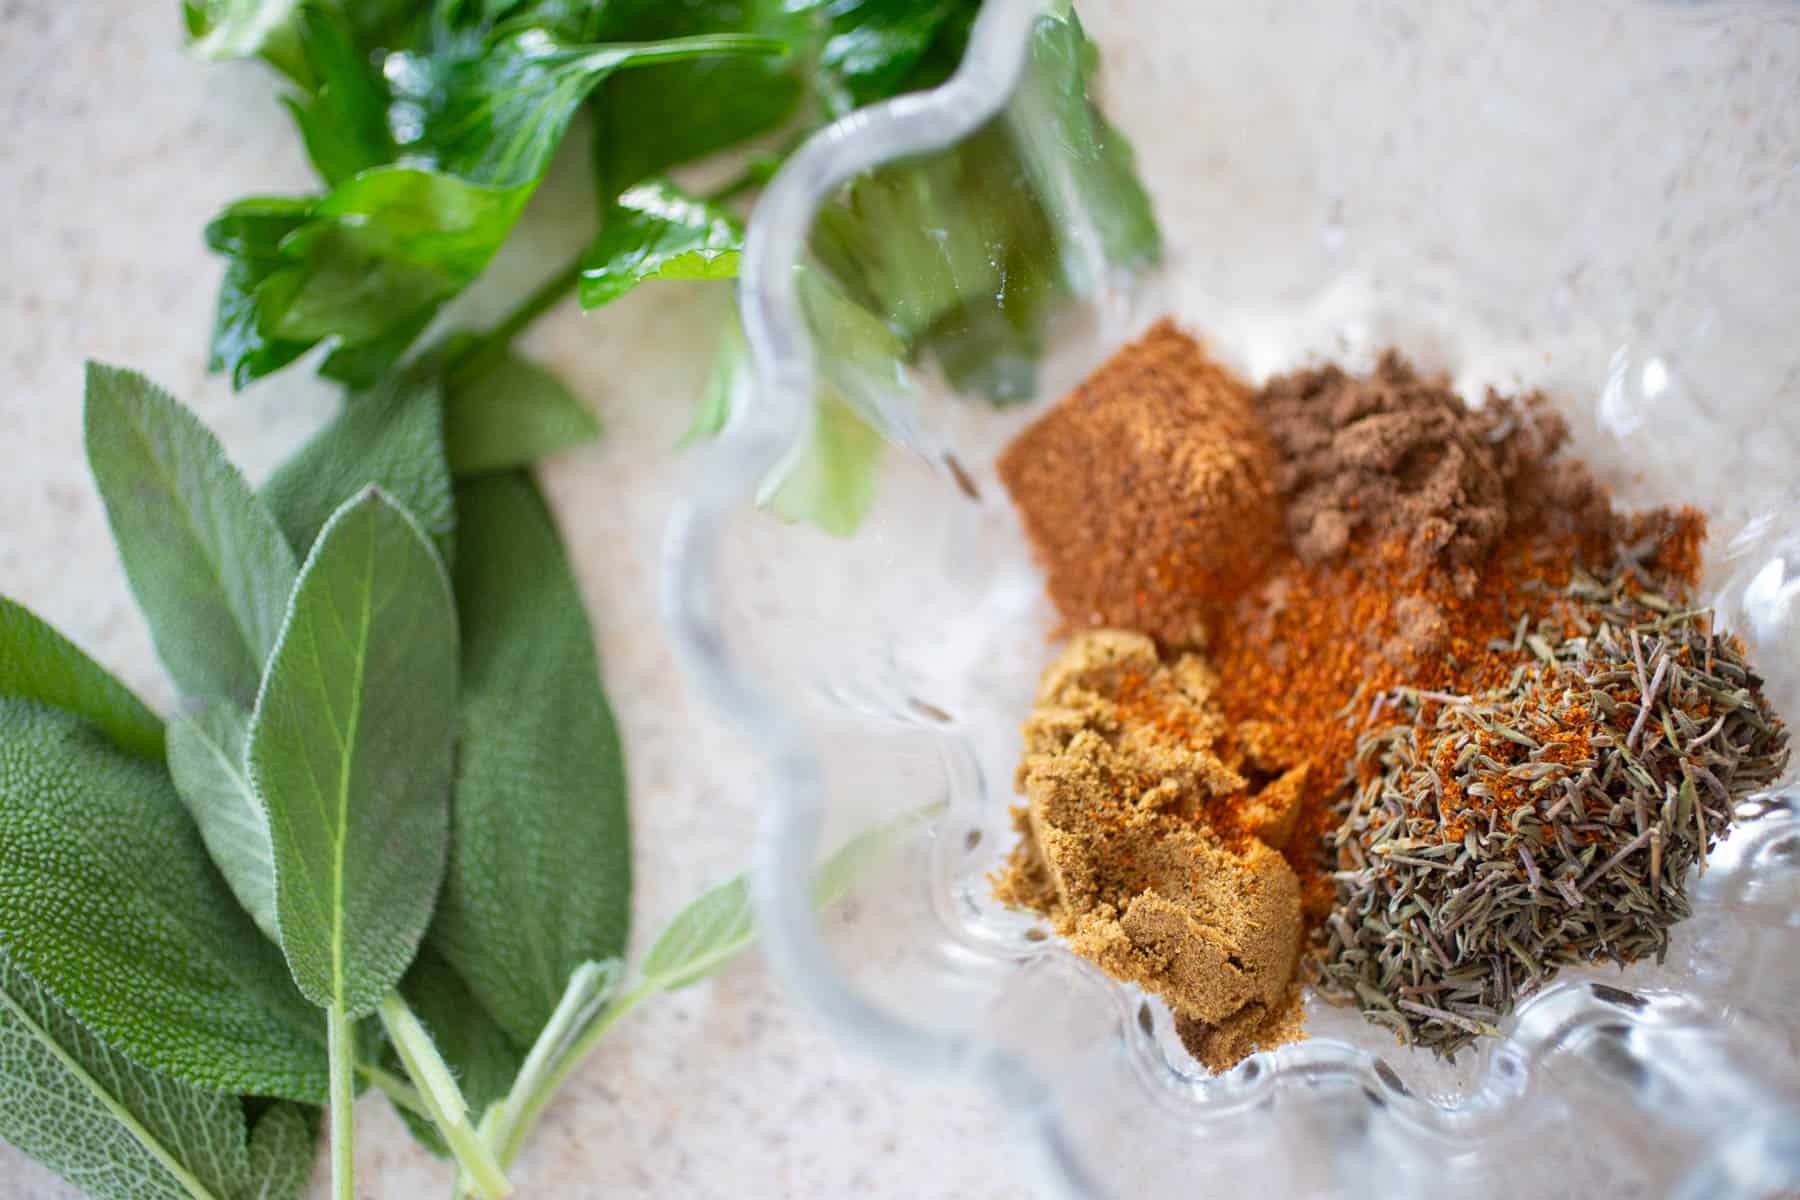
[206, 560]
[391, 437]
[107, 1125]
[720, 924]
[711, 931]
[656, 231]
[206, 761]
[485, 1060]
[540, 865]
[108, 901]
[504, 411]
[350, 750]
[38, 663]
[282, 1153]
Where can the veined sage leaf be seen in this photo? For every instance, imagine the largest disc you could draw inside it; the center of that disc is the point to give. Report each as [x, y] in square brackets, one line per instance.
[108, 901]
[206, 561]
[38, 663]
[503, 411]
[540, 866]
[206, 760]
[720, 924]
[391, 437]
[282, 1153]
[711, 931]
[350, 750]
[108, 1126]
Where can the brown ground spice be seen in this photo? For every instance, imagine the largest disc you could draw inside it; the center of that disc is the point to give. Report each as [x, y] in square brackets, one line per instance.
[1150, 850]
[1148, 492]
[1397, 455]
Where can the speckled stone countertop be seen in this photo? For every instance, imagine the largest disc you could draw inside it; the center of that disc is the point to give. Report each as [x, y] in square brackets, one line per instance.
[114, 151]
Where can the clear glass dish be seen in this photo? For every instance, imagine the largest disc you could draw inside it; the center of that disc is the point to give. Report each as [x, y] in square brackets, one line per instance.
[1599, 200]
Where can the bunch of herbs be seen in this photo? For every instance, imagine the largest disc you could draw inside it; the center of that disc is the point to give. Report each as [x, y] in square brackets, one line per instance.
[431, 125]
[383, 841]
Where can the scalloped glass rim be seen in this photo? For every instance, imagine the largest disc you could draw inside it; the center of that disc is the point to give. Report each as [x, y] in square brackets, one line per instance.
[1663, 1043]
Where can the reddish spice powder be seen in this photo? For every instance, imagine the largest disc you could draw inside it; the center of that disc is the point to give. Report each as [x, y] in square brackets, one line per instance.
[1147, 492]
[1307, 655]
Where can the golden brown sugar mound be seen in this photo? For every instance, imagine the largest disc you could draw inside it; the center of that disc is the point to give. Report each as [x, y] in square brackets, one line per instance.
[1148, 492]
[1143, 842]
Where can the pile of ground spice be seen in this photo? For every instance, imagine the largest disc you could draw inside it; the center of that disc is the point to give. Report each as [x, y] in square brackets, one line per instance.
[1150, 849]
[1397, 455]
[1148, 492]
[1422, 539]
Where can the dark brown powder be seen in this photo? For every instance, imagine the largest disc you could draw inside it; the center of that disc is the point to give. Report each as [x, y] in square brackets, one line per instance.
[1397, 455]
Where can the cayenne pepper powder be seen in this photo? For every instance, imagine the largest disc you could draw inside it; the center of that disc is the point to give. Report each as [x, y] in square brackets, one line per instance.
[1148, 492]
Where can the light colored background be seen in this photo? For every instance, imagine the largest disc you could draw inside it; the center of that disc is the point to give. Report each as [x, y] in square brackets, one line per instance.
[114, 151]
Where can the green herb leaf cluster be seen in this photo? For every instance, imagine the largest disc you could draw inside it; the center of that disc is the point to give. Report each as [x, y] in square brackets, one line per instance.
[430, 125]
[384, 837]
[418, 815]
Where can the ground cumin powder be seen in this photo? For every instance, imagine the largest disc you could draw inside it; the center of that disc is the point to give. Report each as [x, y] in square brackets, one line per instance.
[1322, 542]
[1149, 848]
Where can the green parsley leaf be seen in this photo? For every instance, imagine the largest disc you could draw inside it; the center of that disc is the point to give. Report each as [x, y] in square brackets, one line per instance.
[344, 120]
[366, 265]
[656, 231]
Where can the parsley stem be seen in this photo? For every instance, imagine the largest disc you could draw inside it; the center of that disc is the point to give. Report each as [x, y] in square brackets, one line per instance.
[342, 1054]
[535, 305]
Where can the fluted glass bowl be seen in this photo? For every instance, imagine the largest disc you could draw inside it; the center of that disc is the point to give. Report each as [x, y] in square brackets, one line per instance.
[1598, 199]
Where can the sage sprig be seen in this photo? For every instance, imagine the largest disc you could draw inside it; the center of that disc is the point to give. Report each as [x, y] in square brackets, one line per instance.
[174, 930]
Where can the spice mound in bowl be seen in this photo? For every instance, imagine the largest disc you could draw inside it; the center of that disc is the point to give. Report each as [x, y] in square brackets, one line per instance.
[1364, 687]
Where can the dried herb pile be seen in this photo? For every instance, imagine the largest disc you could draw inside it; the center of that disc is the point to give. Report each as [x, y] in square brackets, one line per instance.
[1549, 821]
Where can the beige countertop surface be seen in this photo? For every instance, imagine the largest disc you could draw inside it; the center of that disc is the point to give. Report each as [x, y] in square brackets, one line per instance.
[115, 149]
